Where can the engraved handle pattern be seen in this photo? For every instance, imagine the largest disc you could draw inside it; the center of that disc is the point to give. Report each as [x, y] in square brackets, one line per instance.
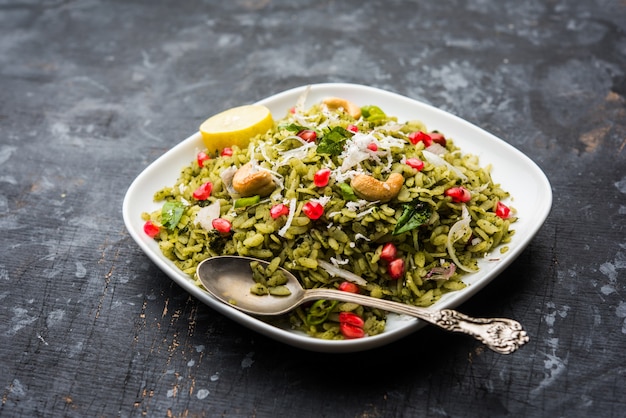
[500, 334]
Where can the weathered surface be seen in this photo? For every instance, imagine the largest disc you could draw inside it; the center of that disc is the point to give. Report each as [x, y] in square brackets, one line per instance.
[92, 92]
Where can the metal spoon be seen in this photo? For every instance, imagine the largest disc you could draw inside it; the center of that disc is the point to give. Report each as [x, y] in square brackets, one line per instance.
[229, 279]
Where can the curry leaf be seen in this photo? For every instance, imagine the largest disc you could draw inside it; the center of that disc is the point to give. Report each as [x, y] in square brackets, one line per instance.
[414, 214]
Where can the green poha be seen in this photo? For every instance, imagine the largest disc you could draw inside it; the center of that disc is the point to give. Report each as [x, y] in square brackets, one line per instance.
[422, 215]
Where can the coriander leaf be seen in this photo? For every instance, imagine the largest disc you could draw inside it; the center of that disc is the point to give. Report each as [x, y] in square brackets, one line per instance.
[171, 214]
[292, 127]
[414, 214]
[347, 193]
[332, 141]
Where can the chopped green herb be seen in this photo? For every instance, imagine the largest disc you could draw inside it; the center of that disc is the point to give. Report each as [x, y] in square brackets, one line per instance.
[413, 215]
[292, 127]
[332, 141]
[171, 213]
[216, 241]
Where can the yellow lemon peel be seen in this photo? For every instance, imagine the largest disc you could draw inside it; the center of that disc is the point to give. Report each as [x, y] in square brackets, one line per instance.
[235, 127]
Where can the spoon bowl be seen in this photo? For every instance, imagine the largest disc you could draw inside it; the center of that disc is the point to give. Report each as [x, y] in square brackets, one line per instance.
[229, 279]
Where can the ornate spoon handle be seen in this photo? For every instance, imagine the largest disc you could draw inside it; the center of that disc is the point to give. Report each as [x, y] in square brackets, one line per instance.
[499, 334]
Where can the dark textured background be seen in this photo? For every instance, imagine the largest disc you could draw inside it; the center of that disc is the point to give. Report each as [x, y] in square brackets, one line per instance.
[93, 91]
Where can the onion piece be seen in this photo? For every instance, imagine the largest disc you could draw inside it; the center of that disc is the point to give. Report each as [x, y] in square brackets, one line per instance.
[436, 148]
[437, 161]
[441, 273]
[458, 230]
[205, 215]
[336, 271]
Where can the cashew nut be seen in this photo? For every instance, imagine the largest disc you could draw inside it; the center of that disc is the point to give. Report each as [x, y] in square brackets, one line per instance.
[248, 183]
[336, 103]
[369, 188]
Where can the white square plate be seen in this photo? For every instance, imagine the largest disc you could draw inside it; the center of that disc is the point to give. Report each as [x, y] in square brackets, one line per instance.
[529, 188]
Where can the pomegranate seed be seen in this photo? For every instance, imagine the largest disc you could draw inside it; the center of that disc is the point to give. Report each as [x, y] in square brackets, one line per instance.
[389, 252]
[279, 210]
[308, 135]
[502, 210]
[415, 163]
[321, 177]
[438, 138]
[221, 225]
[459, 194]
[292, 110]
[350, 331]
[396, 268]
[352, 128]
[351, 318]
[349, 287]
[151, 229]
[227, 152]
[372, 147]
[203, 192]
[202, 157]
[420, 136]
[313, 210]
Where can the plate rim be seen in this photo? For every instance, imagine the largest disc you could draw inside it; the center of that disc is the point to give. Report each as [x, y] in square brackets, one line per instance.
[298, 339]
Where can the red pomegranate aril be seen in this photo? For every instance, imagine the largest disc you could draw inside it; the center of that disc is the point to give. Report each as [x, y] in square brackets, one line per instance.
[415, 163]
[203, 192]
[438, 138]
[202, 157]
[221, 225]
[351, 318]
[420, 136]
[396, 268]
[389, 252]
[348, 287]
[151, 229]
[321, 177]
[350, 331]
[459, 194]
[502, 210]
[279, 210]
[352, 128]
[227, 152]
[372, 147]
[313, 210]
[308, 135]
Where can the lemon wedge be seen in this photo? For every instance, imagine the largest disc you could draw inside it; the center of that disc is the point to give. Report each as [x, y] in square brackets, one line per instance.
[235, 126]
